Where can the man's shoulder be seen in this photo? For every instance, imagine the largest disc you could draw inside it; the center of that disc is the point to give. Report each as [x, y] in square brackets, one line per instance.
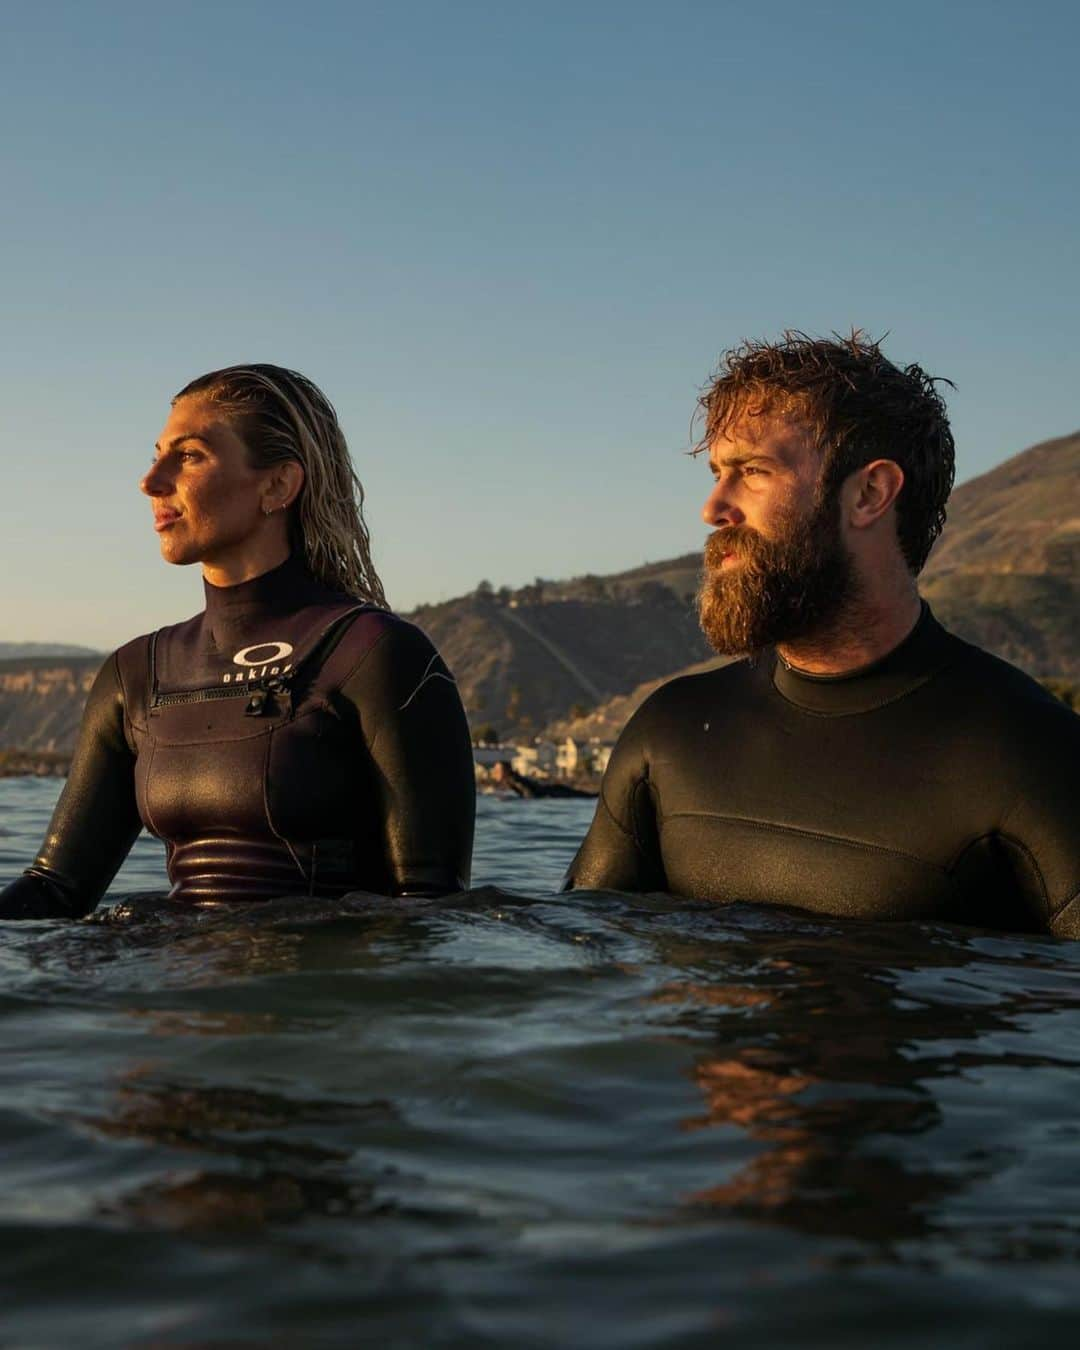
[1000, 694]
[684, 696]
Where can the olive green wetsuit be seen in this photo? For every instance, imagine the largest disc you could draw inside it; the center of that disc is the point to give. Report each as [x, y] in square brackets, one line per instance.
[940, 783]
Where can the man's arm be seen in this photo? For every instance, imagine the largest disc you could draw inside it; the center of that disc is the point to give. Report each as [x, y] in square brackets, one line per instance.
[1041, 830]
[95, 822]
[621, 852]
[416, 732]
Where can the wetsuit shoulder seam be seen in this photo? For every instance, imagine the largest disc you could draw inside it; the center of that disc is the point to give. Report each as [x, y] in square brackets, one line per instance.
[617, 822]
[133, 706]
[775, 828]
[362, 658]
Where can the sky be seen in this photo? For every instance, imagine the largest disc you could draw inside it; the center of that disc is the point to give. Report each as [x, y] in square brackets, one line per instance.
[510, 242]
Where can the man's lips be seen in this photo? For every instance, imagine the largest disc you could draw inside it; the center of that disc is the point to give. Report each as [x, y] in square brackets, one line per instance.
[721, 551]
[163, 519]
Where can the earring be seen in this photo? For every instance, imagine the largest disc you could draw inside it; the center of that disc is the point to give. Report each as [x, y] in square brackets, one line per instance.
[268, 510]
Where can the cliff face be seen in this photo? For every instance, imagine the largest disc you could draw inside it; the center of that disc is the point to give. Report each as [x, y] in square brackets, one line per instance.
[41, 701]
[1005, 574]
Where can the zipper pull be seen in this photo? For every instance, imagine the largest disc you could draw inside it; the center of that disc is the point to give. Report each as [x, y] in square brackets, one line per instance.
[260, 701]
[256, 706]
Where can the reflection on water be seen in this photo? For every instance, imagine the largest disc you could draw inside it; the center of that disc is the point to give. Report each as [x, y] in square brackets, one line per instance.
[511, 1119]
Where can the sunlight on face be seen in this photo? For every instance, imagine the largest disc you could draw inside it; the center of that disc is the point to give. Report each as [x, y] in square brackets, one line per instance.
[206, 495]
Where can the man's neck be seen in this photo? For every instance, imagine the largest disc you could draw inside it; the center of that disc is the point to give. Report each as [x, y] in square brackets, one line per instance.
[865, 631]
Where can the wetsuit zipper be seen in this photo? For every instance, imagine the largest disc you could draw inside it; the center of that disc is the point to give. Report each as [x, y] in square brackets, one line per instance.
[258, 693]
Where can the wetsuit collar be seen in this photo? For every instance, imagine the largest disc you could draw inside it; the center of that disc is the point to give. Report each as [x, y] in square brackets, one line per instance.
[925, 651]
[231, 611]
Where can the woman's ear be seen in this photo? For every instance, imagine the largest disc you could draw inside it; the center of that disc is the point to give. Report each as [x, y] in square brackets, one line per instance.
[872, 490]
[283, 485]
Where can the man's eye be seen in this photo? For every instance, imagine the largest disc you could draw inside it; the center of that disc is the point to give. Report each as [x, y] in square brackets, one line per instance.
[190, 456]
[749, 469]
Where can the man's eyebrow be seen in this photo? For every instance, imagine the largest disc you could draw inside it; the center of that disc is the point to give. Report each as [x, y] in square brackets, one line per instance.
[178, 441]
[733, 461]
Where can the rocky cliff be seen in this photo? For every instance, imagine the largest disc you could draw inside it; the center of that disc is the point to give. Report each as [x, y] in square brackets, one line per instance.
[41, 700]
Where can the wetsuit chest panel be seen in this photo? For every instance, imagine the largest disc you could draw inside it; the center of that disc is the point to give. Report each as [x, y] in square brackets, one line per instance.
[778, 807]
[887, 787]
[242, 763]
[318, 778]
[726, 860]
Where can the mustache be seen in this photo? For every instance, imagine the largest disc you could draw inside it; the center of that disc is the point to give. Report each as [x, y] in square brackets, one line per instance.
[739, 540]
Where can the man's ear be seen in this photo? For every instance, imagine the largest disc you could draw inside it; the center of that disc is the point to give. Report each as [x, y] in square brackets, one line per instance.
[871, 491]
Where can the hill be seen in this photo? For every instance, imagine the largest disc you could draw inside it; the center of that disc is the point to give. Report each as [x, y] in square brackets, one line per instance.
[527, 659]
[10, 651]
[1006, 571]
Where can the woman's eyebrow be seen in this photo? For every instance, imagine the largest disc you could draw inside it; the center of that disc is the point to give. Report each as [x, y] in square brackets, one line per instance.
[178, 441]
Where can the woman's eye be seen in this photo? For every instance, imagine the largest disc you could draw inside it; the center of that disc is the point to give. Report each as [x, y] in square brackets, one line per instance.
[190, 456]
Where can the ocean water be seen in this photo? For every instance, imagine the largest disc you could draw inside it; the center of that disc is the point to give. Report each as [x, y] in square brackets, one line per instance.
[512, 1119]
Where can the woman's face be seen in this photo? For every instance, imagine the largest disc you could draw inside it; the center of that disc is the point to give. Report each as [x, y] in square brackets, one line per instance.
[207, 497]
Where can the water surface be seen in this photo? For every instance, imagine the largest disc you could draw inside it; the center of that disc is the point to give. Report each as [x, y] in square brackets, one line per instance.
[510, 1119]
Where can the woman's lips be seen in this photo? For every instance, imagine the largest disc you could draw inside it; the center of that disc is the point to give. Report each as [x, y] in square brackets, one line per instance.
[163, 520]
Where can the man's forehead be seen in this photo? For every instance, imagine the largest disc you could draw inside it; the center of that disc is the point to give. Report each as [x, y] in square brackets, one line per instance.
[785, 435]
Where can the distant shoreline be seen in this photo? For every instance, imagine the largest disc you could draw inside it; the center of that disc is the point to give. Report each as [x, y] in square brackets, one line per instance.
[34, 764]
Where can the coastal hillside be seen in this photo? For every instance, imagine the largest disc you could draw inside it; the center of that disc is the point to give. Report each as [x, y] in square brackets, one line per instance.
[525, 659]
[1006, 571]
[577, 655]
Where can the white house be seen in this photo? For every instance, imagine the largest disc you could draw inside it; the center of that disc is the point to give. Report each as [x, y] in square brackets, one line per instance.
[571, 757]
[534, 761]
[601, 753]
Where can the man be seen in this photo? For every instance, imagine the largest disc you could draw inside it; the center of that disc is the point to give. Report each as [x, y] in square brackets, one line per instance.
[860, 760]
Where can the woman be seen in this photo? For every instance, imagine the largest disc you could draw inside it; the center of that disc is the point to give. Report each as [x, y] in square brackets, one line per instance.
[295, 737]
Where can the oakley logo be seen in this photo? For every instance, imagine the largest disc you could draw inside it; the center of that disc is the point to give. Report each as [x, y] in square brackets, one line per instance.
[262, 654]
[260, 659]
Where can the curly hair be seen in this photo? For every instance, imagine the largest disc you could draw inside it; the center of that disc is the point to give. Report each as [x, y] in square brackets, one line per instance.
[280, 415]
[858, 407]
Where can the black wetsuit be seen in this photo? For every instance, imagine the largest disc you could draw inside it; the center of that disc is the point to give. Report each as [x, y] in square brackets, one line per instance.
[288, 740]
[938, 783]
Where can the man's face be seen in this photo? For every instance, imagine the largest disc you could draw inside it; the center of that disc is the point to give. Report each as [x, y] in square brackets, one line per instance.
[776, 568]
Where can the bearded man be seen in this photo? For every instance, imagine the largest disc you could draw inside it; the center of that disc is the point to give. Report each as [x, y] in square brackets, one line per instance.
[859, 760]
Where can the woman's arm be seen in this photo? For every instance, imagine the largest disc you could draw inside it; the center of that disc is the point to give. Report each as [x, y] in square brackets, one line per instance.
[415, 728]
[95, 822]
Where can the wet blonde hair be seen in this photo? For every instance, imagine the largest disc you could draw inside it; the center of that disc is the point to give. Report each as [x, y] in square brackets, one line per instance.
[280, 415]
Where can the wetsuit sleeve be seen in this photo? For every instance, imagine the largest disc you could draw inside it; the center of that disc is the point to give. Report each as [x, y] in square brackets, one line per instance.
[416, 732]
[1041, 830]
[95, 822]
[621, 851]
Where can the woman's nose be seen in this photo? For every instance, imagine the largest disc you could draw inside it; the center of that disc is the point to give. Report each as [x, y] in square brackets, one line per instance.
[153, 482]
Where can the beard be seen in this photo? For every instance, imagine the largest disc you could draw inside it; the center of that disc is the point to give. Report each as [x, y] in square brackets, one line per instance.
[778, 589]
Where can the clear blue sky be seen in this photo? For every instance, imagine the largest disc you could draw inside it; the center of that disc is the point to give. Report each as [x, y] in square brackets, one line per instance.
[509, 240]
